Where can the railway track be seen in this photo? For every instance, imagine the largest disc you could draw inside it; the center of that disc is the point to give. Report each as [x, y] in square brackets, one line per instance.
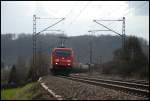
[137, 85]
[131, 88]
[144, 82]
[139, 82]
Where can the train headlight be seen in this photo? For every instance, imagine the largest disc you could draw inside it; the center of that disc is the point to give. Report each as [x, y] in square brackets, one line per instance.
[68, 64]
[56, 63]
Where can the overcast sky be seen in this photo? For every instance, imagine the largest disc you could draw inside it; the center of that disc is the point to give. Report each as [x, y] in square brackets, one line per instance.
[17, 16]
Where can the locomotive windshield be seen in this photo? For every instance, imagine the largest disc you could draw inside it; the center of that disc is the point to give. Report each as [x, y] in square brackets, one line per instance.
[63, 53]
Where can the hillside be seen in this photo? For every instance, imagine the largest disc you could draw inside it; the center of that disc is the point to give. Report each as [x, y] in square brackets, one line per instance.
[103, 46]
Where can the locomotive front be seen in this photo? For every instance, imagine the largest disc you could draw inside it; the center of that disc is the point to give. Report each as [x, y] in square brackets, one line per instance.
[62, 59]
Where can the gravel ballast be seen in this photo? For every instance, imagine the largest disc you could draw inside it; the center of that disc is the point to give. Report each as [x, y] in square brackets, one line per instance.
[72, 90]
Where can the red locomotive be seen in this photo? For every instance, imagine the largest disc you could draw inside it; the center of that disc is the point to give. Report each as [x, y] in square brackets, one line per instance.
[62, 60]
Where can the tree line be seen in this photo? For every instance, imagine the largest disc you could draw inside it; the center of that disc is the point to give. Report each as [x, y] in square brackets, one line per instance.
[103, 46]
[129, 61]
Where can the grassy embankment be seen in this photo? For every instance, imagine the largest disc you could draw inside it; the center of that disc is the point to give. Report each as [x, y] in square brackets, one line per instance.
[27, 92]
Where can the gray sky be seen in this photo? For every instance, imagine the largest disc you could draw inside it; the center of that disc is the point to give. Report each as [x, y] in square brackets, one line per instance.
[17, 16]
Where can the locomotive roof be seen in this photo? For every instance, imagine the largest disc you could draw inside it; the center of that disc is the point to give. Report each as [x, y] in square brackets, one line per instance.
[62, 48]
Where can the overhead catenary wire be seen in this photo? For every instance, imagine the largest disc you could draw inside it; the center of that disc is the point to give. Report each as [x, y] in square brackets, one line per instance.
[49, 26]
[36, 34]
[110, 14]
[138, 7]
[81, 11]
[107, 27]
[69, 14]
[76, 17]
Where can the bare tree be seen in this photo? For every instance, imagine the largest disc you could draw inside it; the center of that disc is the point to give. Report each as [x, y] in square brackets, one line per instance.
[21, 69]
[13, 77]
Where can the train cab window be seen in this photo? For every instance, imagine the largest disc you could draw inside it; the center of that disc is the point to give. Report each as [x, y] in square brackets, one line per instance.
[63, 53]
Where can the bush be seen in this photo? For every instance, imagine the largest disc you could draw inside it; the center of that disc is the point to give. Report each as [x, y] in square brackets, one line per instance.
[131, 60]
[40, 69]
[13, 77]
[108, 68]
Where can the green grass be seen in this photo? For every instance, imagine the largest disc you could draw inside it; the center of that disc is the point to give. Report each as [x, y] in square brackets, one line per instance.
[21, 93]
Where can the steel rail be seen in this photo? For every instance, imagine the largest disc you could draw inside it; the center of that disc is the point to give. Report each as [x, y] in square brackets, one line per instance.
[135, 91]
[144, 82]
[123, 83]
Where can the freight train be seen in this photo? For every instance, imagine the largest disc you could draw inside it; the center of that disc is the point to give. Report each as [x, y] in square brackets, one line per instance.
[62, 60]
